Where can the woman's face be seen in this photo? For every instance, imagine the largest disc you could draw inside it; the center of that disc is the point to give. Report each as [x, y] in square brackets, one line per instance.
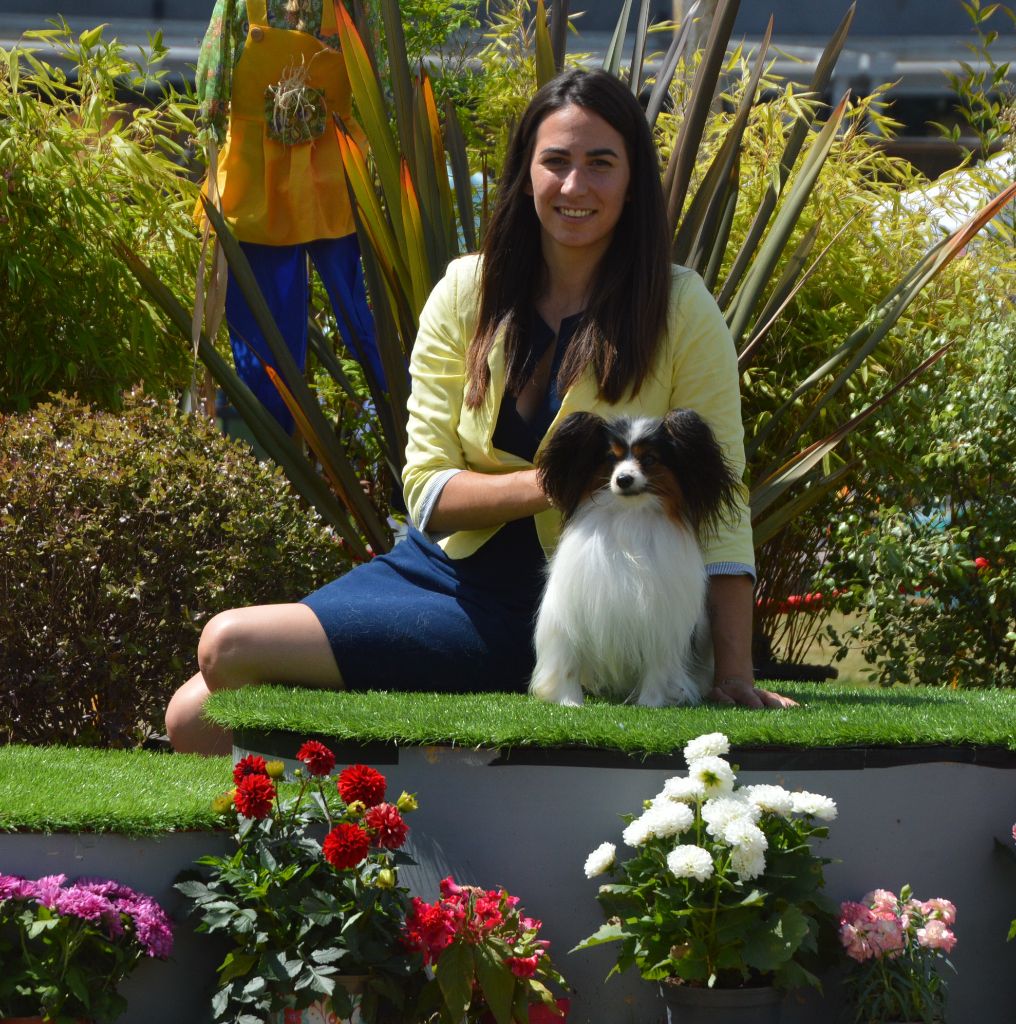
[578, 177]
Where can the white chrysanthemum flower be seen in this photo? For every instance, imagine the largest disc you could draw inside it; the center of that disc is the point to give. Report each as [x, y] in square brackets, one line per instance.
[685, 791]
[715, 775]
[600, 859]
[638, 832]
[814, 805]
[743, 834]
[748, 846]
[669, 818]
[712, 744]
[774, 799]
[690, 862]
[747, 863]
[718, 812]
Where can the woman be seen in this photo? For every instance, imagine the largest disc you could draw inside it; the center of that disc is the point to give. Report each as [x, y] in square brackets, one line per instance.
[573, 304]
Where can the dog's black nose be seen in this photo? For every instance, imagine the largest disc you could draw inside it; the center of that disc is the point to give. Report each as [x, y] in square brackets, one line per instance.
[624, 480]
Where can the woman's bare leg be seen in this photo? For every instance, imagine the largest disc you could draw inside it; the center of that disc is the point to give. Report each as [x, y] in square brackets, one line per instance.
[275, 643]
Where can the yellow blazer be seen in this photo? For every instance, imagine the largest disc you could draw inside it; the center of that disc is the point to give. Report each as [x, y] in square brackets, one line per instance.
[696, 368]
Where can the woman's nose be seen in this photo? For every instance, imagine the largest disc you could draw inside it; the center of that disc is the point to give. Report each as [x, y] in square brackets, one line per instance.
[574, 181]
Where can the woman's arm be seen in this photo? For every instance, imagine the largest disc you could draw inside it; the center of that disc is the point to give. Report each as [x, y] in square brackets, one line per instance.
[472, 501]
[730, 604]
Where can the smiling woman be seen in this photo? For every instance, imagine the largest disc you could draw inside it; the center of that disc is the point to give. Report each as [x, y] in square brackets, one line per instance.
[572, 305]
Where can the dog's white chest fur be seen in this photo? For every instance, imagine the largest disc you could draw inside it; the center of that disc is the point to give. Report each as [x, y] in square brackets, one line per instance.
[625, 593]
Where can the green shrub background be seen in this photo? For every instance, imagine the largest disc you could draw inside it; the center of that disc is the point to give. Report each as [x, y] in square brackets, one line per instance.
[120, 536]
[83, 173]
[929, 565]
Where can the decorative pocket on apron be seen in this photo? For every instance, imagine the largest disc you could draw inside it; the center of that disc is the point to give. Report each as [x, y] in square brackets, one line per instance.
[295, 111]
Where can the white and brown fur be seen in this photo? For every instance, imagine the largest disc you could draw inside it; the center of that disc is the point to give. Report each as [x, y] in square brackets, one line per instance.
[623, 611]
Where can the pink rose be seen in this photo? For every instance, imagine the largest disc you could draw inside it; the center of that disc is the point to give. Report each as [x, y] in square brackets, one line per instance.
[935, 935]
[882, 901]
[939, 910]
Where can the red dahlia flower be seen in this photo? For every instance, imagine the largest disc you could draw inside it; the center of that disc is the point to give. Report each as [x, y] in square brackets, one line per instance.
[386, 824]
[317, 757]
[358, 782]
[252, 764]
[254, 795]
[346, 846]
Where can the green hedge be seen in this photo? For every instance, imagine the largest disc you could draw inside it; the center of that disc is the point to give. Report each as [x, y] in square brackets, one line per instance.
[120, 535]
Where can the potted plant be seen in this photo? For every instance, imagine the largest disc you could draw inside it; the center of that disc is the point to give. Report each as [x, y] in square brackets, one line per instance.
[310, 897]
[896, 943]
[1012, 927]
[486, 964]
[67, 947]
[721, 901]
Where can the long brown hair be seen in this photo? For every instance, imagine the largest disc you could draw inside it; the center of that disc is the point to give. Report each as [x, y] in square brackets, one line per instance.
[624, 324]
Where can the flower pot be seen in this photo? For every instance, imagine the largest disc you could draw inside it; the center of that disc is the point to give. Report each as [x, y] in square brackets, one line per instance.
[686, 1005]
[34, 1020]
[320, 1012]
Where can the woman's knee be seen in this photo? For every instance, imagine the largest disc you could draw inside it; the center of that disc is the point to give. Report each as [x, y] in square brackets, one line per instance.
[188, 732]
[223, 651]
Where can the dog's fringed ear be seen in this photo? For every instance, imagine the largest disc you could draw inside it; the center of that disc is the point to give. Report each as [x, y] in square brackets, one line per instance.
[570, 460]
[707, 482]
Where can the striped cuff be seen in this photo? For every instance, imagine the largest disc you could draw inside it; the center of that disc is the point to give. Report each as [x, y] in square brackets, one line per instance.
[731, 569]
[433, 492]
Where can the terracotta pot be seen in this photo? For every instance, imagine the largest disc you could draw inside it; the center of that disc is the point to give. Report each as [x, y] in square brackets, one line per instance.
[687, 1005]
[320, 1012]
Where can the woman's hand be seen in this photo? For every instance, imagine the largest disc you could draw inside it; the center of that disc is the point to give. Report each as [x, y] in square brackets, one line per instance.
[743, 692]
[474, 501]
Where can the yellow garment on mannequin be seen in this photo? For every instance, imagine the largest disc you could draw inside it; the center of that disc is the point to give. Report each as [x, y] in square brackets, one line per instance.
[274, 193]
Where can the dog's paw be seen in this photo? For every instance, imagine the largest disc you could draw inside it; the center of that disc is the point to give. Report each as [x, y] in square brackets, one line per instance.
[556, 690]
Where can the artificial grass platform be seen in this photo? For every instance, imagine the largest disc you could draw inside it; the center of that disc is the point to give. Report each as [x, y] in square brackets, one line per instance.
[134, 793]
[829, 716]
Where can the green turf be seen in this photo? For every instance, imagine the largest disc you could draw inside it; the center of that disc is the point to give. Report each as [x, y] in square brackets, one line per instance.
[828, 716]
[61, 789]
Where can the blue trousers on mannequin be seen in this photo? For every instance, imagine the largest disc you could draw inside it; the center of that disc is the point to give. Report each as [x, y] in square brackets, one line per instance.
[281, 274]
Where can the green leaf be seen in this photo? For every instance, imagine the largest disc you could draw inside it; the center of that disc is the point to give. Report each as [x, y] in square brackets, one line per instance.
[236, 965]
[91, 37]
[455, 972]
[605, 933]
[545, 69]
[769, 947]
[497, 983]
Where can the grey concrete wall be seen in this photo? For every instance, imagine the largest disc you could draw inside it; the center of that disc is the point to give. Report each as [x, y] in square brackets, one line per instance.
[813, 17]
[793, 17]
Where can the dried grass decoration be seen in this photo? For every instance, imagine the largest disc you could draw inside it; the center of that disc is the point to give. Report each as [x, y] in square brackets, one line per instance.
[294, 110]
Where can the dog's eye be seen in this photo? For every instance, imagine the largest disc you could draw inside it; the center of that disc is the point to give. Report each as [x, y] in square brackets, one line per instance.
[648, 460]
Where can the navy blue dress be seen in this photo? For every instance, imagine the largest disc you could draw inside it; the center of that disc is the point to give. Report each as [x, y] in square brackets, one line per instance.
[415, 619]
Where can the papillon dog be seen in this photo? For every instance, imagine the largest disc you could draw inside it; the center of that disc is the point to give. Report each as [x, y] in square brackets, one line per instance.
[623, 611]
